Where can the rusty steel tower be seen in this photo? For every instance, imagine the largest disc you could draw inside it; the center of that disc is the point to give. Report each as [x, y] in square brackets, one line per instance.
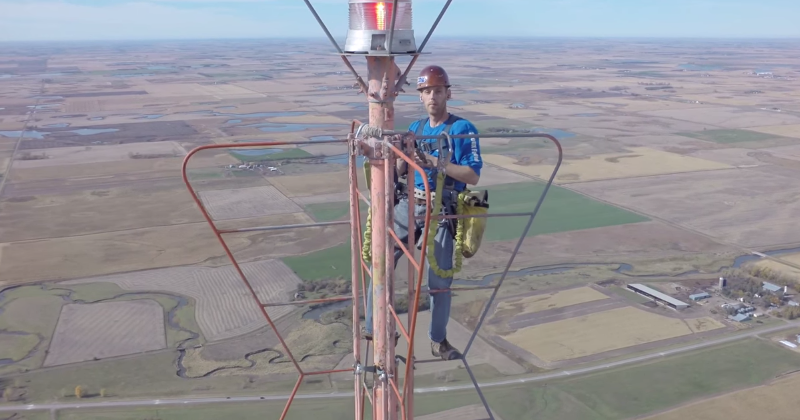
[380, 31]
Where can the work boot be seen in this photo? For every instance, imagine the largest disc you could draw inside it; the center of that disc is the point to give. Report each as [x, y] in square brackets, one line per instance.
[368, 336]
[444, 350]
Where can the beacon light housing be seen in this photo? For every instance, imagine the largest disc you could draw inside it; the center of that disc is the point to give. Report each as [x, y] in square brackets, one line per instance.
[370, 24]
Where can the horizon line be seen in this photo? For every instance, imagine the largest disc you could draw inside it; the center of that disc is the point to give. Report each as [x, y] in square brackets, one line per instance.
[462, 37]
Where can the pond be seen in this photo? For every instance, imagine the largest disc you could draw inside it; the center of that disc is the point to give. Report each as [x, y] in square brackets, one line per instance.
[57, 125]
[92, 131]
[559, 134]
[27, 134]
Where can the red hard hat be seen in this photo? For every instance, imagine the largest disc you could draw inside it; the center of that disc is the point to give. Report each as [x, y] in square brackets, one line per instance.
[432, 76]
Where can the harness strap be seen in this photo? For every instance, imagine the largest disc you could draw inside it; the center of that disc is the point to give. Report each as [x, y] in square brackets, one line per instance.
[449, 183]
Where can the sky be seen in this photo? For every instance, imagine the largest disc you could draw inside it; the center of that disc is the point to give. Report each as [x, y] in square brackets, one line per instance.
[65, 20]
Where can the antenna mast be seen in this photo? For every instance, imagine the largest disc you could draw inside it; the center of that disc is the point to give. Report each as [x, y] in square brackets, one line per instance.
[379, 31]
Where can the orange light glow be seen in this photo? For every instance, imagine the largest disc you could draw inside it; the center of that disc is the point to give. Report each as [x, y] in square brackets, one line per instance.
[380, 16]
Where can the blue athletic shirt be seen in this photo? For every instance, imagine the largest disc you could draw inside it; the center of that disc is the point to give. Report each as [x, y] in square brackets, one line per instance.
[467, 151]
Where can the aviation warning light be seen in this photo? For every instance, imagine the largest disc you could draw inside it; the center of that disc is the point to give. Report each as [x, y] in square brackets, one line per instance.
[371, 22]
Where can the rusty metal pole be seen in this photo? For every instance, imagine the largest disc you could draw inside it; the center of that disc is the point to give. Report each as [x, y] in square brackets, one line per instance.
[355, 249]
[381, 74]
[412, 306]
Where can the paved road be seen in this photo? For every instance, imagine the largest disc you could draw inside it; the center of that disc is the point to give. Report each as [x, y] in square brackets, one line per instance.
[537, 378]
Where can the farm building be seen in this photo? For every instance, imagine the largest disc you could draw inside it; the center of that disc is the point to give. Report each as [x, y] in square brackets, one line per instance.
[774, 288]
[699, 296]
[740, 317]
[658, 296]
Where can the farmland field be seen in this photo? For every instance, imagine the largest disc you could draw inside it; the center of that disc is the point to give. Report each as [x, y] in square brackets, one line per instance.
[638, 161]
[776, 398]
[616, 394]
[224, 307]
[104, 153]
[779, 130]
[314, 184]
[247, 202]
[326, 212]
[554, 300]
[729, 136]
[107, 329]
[561, 211]
[324, 264]
[293, 153]
[599, 332]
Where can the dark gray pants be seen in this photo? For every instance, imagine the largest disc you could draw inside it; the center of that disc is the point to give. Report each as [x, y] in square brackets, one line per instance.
[442, 251]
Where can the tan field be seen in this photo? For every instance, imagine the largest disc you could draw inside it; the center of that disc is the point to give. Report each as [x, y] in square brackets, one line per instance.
[142, 249]
[777, 400]
[169, 167]
[780, 130]
[94, 211]
[88, 155]
[491, 175]
[600, 332]
[314, 184]
[728, 118]
[640, 161]
[225, 308]
[247, 202]
[559, 299]
[108, 329]
[312, 119]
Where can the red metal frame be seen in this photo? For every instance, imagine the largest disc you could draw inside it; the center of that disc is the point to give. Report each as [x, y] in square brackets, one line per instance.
[262, 306]
[385, 325]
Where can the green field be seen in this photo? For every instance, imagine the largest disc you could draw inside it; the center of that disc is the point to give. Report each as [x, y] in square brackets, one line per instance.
[613, 395]
[728, 136]
[328, 263]
[643, 389]
[328, 212]
[562, 211]
[286, 154]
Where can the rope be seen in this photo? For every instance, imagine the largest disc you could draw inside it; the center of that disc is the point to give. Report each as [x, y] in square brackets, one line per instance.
[366, 249]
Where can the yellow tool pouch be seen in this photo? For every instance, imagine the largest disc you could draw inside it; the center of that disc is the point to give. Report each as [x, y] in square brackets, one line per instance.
[472, 203]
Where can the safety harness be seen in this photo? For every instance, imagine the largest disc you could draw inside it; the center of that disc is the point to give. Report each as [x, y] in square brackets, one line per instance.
[467, 233]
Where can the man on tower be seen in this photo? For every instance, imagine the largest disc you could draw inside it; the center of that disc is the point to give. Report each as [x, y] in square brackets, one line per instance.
[464, 168]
